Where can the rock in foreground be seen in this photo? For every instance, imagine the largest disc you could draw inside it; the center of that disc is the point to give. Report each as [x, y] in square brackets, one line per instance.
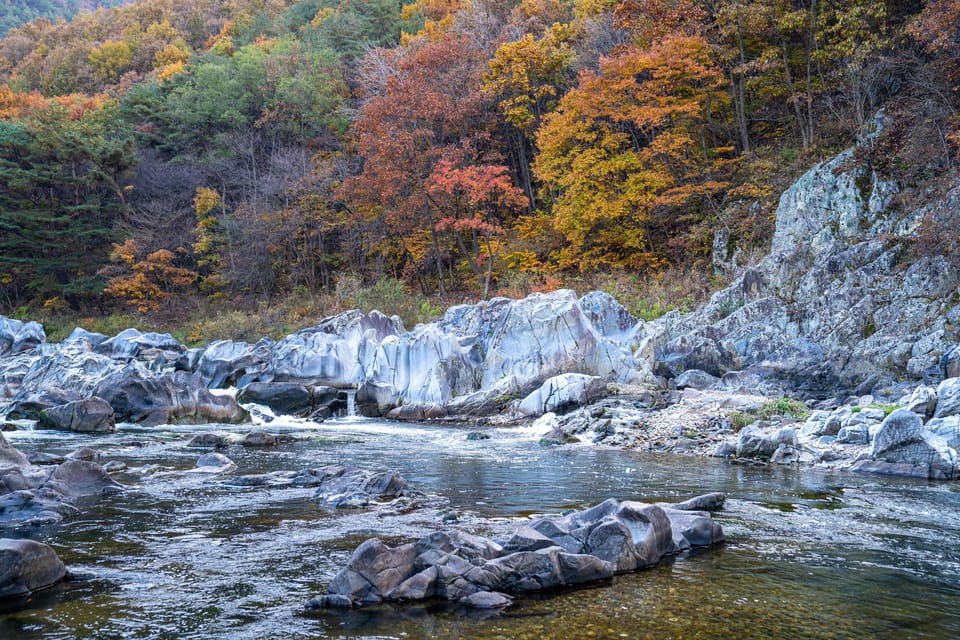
[586, 546]
[26, 567]
[33, 495]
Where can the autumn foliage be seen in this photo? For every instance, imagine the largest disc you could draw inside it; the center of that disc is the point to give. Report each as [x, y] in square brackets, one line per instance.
[254, 149]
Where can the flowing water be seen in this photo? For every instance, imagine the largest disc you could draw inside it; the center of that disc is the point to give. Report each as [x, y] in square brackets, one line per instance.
[810, 554]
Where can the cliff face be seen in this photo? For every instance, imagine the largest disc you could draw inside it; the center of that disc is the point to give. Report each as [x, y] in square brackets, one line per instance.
[839, 303]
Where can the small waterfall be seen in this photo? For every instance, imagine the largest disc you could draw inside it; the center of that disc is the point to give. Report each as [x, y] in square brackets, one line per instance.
[351, 404]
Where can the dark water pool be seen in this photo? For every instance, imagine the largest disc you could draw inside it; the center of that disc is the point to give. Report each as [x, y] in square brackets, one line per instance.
[810, 554]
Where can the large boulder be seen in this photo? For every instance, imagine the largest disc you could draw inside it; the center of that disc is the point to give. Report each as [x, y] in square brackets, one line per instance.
[549, 553]
[948, 398]
[926, 456]
[26, 567]
[10, 456]
[753, 442]
[30, 405]
[79, 478]
[899, 428]
[226, 362]
[562, 392]
[178, 397]
[90, 415]
[132, 343]
[923, 401]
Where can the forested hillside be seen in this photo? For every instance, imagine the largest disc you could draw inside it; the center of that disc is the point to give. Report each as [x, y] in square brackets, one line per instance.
[14, 13]
[171, 153]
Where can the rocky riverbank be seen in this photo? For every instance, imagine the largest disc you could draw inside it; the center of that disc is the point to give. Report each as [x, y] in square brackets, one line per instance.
[917, 434]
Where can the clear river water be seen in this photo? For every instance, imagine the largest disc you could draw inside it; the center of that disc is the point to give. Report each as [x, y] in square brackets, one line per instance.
[180, 555]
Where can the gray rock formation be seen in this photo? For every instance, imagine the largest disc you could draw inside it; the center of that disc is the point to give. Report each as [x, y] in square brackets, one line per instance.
[753, 442]
[549, 553]
[899, 428]
[473, 362]
[830, 307]
[18, 337]
[132, 343]
[344, 488]
[225, 363]
[26, 567]
[138, 396]
[562, 392]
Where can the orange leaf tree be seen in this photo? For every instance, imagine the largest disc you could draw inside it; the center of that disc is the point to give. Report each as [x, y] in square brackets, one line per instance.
[423, 103]
[629, 159]
[475, 199]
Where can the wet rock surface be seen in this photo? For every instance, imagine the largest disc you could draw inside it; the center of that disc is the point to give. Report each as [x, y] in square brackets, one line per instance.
[32, 495]
[27, 567]
[548, 553]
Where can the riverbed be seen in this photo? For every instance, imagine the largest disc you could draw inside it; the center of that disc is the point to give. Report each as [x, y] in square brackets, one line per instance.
[809, 553]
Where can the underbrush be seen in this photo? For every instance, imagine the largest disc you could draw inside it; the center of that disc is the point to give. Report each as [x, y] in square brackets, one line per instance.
[778, 407]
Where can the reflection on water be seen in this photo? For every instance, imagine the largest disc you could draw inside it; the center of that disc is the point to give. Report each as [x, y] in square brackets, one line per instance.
[810, 554]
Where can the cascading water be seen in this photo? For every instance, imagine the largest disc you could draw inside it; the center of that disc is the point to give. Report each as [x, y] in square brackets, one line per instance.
[351, 404]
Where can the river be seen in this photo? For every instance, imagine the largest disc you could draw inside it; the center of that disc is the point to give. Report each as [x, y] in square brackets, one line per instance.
[809, 553]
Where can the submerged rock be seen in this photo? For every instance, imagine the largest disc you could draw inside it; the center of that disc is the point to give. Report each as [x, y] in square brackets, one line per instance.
[215, 463]
[42, 495]
[353, 488]
[582, 547]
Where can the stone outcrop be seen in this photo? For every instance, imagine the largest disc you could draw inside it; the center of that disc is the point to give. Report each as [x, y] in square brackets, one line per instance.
[26, 567]
[475, 361]
[549, 553]
[89, 381]
[229, 363]
[895, 438]
[833, 306]
[18, 337]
